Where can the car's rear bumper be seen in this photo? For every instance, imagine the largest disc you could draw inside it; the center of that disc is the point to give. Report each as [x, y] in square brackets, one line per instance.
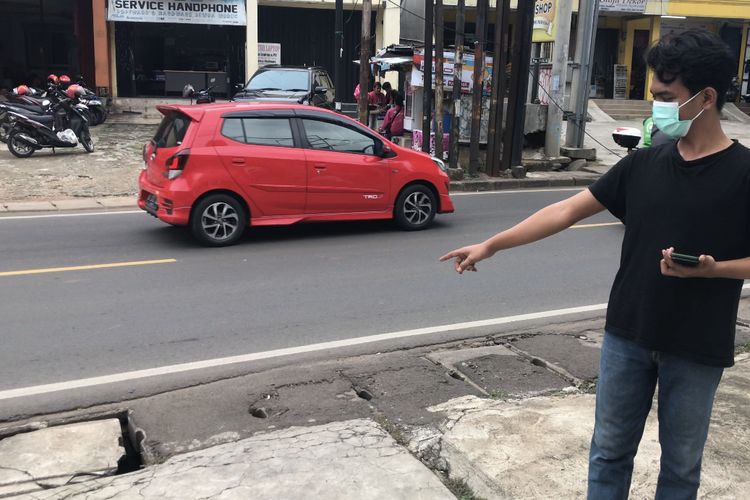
[172, 206]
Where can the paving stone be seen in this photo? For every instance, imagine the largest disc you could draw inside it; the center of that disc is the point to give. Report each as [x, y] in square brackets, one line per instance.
[55, 456]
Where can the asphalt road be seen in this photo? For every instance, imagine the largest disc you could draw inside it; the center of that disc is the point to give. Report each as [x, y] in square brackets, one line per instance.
[280, 287]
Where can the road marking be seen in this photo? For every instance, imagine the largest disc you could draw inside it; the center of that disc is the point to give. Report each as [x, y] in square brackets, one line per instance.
[337, 344]
[602, 224]
[87, 268]
[76, 214]
[513, 191]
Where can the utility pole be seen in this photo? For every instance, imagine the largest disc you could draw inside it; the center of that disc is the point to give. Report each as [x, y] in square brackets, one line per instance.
[519, 83]
[427, 96]
[478, 90]
[458, 66]
[497, 100]
[339, 70]
[364, 62]
[588, 16]
[557, 86]
[439, 79]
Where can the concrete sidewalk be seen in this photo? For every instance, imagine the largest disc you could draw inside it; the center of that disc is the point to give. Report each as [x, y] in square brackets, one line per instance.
[517, 426]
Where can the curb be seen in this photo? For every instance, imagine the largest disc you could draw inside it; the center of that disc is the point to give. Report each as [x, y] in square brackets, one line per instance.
[121, 202]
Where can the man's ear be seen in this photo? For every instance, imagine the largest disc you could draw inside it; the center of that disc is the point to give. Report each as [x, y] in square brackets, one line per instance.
[709, 96]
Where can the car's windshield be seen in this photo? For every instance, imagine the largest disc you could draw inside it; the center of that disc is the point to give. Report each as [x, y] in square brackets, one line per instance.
[279, 80]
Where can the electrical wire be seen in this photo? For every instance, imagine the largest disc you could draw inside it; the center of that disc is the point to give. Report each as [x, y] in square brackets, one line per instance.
[577, 124]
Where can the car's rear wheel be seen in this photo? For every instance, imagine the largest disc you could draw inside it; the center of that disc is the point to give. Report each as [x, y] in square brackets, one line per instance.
[416, 207]
[218, 220]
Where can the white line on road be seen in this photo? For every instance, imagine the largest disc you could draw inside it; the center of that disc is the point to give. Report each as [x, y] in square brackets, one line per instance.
[337, 344]
[514, 191]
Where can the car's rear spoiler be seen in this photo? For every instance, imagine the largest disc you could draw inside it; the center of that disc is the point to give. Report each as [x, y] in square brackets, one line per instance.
[192, 112]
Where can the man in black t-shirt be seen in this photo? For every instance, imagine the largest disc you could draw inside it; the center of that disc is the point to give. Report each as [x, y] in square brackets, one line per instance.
[669, 320]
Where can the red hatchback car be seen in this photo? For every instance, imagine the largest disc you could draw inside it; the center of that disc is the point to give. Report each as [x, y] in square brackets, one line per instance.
[220, 168]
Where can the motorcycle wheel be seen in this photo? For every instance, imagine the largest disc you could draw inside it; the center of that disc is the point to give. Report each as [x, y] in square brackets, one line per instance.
[17, 148]
[97, 116]
[86, 141]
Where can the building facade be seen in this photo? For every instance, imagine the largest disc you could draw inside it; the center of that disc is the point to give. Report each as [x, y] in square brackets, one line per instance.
[152, 47]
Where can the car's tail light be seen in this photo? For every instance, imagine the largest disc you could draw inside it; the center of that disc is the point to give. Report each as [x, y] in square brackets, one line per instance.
[176, 163]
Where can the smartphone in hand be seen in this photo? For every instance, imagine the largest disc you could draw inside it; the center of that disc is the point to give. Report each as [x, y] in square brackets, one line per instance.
[685, 260]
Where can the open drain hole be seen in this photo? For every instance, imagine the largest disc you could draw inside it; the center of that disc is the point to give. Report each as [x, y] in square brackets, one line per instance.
[258, 412]
[132, 440]
[456, 375]
[364, 394]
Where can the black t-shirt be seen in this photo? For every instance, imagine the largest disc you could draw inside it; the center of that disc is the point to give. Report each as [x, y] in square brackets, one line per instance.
[697, 207]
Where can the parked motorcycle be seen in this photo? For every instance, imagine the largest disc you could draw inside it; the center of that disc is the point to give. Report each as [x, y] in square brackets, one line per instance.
[65, 127]
[733, 91]
[96, 106]
[203, 96]
[22, 101]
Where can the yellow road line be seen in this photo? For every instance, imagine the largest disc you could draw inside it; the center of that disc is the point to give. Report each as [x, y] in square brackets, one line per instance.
[603, 224]
[86, 268]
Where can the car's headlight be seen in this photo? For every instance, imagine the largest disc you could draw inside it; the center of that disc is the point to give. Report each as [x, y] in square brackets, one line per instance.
[441, 164]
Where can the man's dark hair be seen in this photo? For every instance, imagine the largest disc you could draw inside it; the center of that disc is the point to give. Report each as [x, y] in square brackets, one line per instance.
[399, 98]
[387, 86]
[698, 58]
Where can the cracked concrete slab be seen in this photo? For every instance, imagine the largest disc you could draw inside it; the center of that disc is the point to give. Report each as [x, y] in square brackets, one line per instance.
[577, 356]
[503, 448]
[29, 206]
[80, 204]
[55, 456]
[502, 376]
[341, 460]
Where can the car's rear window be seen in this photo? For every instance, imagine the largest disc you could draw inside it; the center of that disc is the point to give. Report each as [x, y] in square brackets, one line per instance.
[172, 130]
[289, 80]
[259, 131]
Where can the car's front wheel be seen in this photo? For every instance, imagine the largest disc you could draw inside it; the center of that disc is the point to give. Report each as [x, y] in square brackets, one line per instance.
[416, 207]
[218, 220]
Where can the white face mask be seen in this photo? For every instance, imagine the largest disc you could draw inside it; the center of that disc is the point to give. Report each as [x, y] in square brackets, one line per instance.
[667, 118]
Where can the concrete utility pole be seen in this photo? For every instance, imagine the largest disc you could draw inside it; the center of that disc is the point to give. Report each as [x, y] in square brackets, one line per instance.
[557, 87]
[364, 62]
[497, 100]
[458, 66]
[519, 85]
[588, 16]
[427, 96]
[478, 81]
[439, 79]
[339, 70]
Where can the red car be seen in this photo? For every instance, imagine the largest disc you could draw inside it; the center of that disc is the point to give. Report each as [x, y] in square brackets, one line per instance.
[220, 168]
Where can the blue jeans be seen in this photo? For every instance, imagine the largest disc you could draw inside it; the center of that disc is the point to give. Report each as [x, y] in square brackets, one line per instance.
[628, 374]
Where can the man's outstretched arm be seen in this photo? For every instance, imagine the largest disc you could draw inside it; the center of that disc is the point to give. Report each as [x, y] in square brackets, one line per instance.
[548, 221]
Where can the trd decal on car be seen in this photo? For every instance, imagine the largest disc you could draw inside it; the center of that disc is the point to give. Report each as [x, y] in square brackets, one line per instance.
[372, 196]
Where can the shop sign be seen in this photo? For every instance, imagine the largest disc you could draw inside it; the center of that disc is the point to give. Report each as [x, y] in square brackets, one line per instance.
[222, 12]
[544, 20]
[467, 71]
[269, 53]
[623, 5]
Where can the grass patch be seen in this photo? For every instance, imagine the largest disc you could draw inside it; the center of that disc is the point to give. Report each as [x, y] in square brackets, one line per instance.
[742, 349]
[462, 490]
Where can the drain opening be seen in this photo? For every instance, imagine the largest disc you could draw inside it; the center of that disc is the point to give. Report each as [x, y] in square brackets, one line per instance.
[364, 394]
[258, 412]
[132, 440]
[456, 375]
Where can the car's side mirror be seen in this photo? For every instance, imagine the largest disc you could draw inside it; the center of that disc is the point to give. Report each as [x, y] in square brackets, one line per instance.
[321, 90]
[239, 86]
[385, 151]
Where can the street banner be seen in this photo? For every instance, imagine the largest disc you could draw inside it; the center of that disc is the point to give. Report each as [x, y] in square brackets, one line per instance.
[467, 71]
[638, 6]
[221, 12]
[545, 20]
[269, 53]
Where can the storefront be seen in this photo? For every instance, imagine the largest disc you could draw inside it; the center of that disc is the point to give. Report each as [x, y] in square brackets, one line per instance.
[43, 37]
[161, 46]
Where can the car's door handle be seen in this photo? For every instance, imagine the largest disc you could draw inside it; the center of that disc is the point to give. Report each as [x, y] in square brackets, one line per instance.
[238, 161]
[319, 168]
